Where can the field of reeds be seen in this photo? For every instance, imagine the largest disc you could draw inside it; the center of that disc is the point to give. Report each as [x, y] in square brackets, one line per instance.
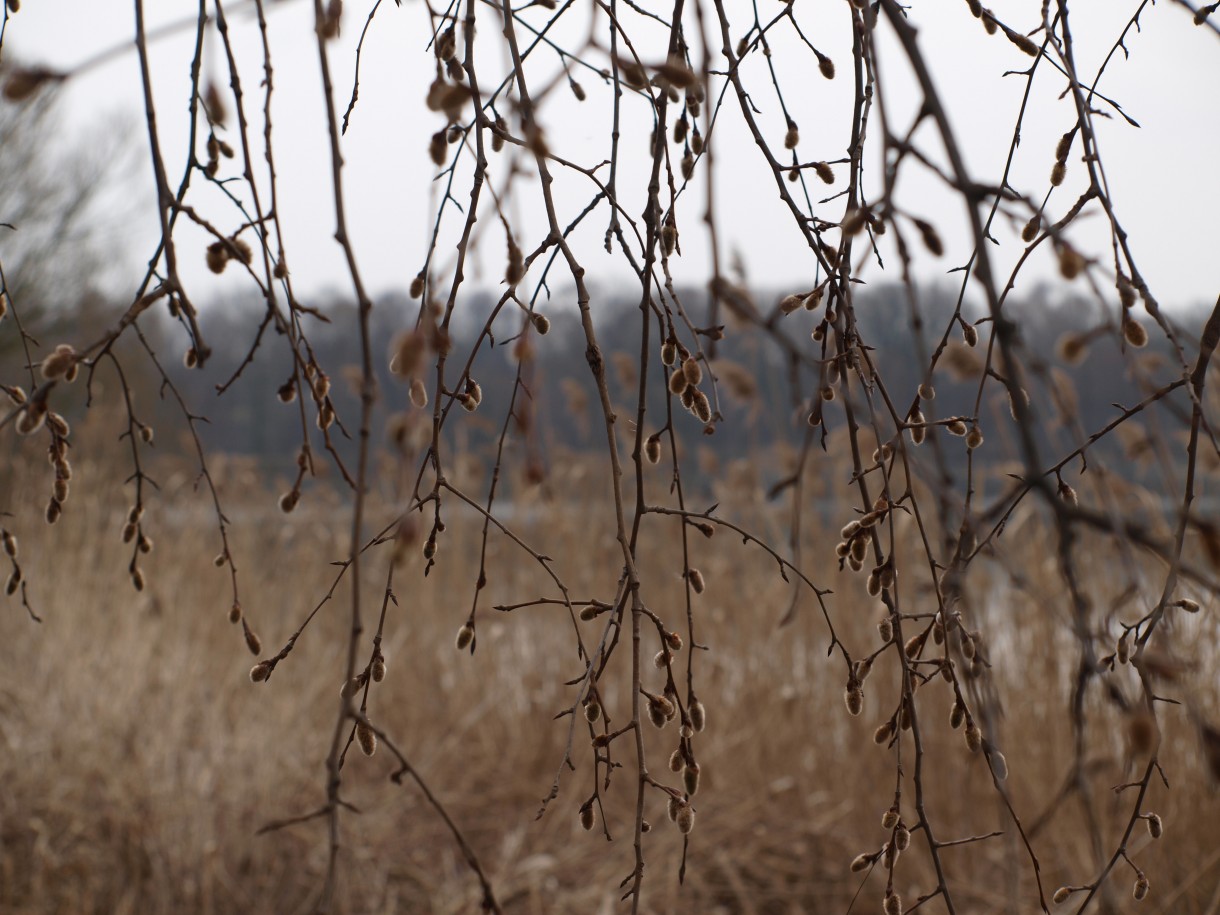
[138, 763]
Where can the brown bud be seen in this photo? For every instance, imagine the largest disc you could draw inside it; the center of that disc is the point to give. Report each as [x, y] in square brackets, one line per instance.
[902, 838]
[999, 765]
[690, 778]
[1134, 332]
[854, 698]
[1140, 890]
[974, 737]
[366, 738]
[1156, 828]
[685, 818]
[698, 714]
[587, 818]
[930, 237]
[56, 365]
[652, 449]
[253, 642]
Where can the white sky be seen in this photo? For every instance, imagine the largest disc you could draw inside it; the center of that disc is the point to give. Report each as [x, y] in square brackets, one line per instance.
[1163, 176]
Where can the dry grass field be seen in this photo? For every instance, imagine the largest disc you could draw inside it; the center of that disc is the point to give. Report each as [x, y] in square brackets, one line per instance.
[138, 761]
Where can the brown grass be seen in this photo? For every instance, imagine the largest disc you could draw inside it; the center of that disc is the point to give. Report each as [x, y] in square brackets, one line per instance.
[137, 760]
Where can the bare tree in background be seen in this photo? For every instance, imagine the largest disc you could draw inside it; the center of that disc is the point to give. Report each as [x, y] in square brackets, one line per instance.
[665, 83]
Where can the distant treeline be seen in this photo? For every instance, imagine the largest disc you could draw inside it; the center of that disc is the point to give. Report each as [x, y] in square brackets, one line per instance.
[764, 400]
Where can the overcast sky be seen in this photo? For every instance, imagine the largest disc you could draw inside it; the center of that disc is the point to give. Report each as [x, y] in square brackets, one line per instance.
[1163, 176]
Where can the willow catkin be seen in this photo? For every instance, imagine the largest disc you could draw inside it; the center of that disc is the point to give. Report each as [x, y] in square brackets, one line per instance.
[1140, 890]
[698, 714]
[366, 738]
[1156, 827]
[690, 778]
[684, 817]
